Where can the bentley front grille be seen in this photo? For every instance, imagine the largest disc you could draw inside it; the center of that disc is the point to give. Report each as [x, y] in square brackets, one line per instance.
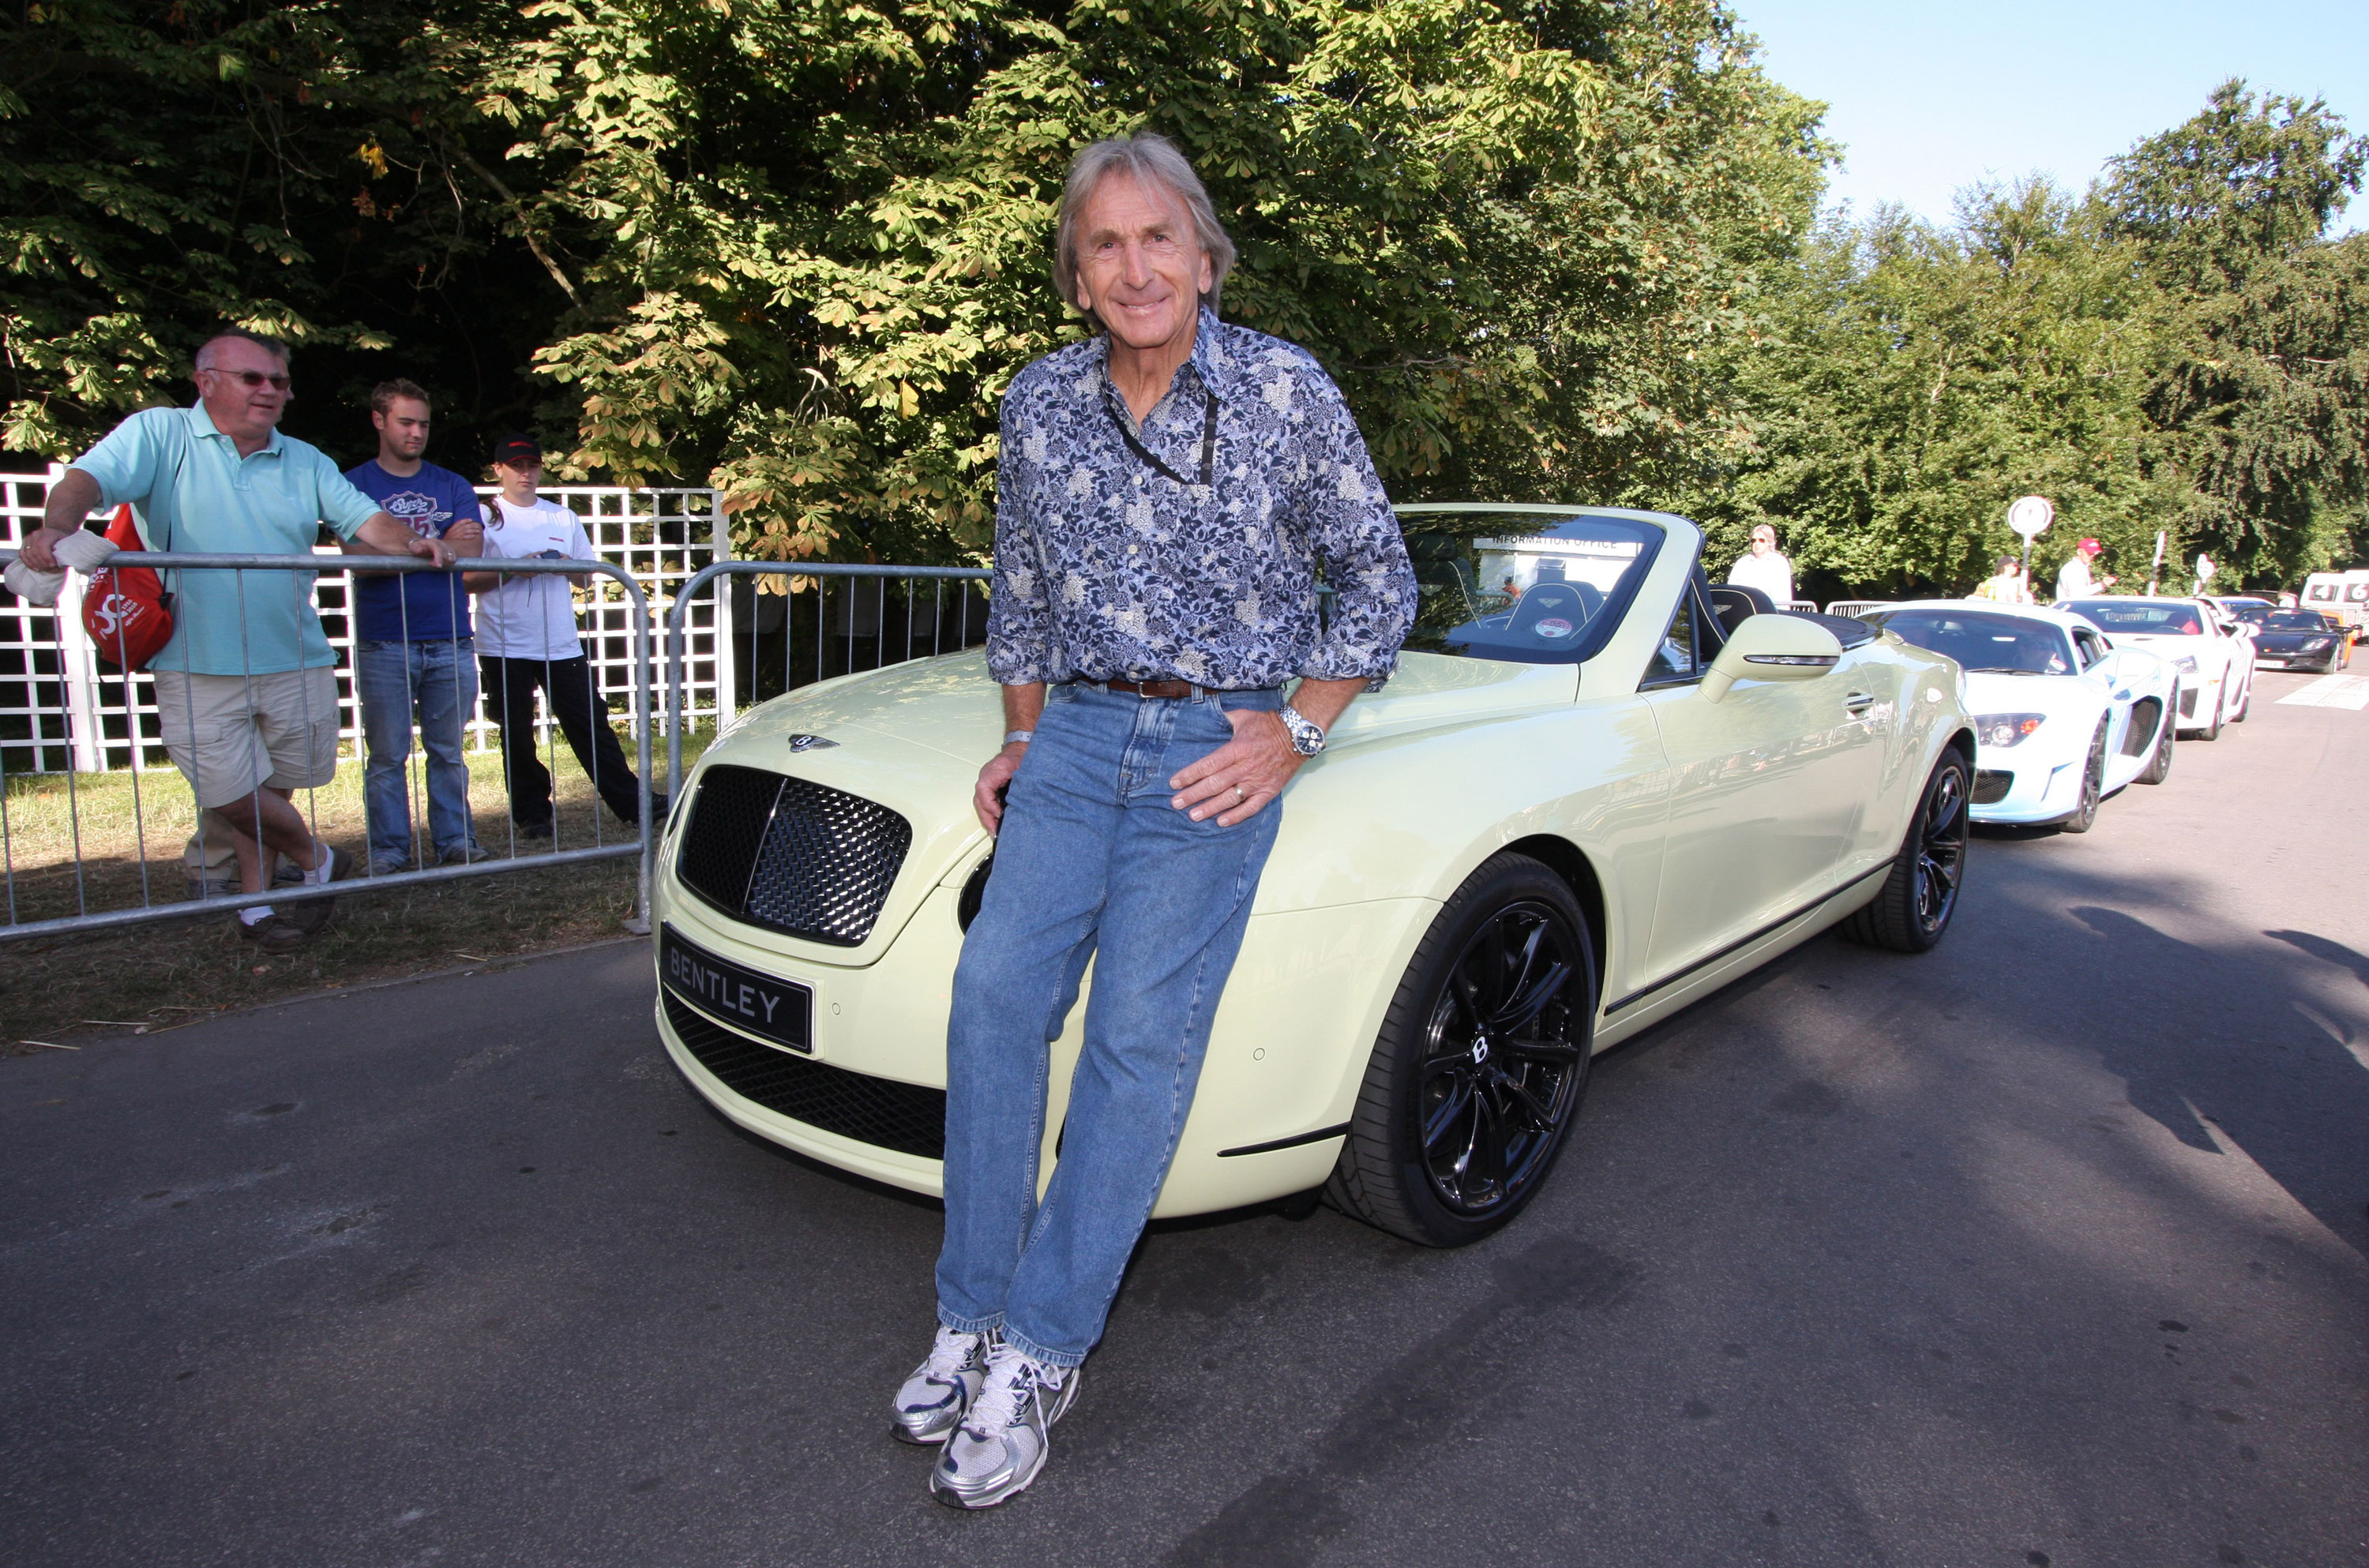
[792, 855]
[879, 1111]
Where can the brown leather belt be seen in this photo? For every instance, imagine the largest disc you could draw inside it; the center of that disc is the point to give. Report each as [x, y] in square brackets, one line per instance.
[1172, 689]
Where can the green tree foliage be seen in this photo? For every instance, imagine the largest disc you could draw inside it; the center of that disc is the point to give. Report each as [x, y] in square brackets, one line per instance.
[801, 246]
[2266, 399]
[1508, 231]
[1915, 379]
[1551, 248]
[303, 170]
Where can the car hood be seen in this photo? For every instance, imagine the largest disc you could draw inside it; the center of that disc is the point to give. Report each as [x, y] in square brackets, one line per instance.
[913, 737]
[2172, 645]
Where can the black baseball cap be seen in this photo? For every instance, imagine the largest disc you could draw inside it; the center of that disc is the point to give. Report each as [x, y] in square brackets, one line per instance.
[517, 449]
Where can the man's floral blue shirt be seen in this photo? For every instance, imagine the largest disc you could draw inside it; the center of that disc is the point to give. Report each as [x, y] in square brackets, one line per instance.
[1108, 568]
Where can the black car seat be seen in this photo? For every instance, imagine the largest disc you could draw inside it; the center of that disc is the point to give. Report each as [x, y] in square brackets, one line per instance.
[1733, 603]
[1573, 603]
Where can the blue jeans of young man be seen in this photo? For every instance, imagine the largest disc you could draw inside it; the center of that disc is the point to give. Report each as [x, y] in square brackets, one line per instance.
[436, 681]
[1092, 862]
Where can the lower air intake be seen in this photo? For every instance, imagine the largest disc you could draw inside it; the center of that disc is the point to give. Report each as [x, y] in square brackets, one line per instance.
[905, 1117]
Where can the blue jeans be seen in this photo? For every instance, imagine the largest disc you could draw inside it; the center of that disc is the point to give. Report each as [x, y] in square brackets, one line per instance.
[1092, 862]
[438, 683]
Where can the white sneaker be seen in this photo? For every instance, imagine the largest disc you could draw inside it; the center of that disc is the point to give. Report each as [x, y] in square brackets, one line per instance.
[1000, 1444]
[941, 1388]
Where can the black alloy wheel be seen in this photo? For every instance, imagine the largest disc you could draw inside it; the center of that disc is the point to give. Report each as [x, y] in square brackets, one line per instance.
[1482, 1060]
[1911, 912]
[2093, 786]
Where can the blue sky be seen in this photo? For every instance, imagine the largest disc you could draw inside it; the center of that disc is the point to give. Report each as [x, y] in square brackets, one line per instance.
[1932, 98]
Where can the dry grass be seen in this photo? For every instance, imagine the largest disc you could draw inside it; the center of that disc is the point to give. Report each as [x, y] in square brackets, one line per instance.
[175, 971]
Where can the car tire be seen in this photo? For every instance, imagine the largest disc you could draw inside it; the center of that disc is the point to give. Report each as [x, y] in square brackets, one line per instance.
[2093, 786]
[1911, 912]
[2213, 730]
[1511, 949]
[2245, 699]
[2159, 766]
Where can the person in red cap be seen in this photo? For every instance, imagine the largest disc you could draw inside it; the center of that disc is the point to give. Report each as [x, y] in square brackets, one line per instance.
[2074, 578]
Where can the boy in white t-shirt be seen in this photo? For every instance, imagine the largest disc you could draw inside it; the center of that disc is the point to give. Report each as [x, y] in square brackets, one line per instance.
[526, 638]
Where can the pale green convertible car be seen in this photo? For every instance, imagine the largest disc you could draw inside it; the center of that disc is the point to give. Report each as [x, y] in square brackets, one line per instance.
[1597, 789]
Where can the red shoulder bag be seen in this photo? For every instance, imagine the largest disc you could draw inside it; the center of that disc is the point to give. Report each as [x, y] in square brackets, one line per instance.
[126, 609]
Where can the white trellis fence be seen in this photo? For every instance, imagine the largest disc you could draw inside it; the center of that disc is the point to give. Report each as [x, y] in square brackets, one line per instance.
[56, 713]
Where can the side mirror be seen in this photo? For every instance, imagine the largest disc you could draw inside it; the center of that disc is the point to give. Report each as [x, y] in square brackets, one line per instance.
[1772, 648]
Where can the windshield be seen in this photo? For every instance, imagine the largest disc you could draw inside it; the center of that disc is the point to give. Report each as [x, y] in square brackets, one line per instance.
[1528, 588]
[2296, 621]
[2007, 644]
[2252, 615]
[2140, 617]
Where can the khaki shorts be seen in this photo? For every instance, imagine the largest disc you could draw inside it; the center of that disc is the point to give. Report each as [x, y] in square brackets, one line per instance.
[229, 734]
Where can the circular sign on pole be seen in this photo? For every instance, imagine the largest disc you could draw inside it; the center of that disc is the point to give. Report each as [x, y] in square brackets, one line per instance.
[2205, 568]
[2031, 515]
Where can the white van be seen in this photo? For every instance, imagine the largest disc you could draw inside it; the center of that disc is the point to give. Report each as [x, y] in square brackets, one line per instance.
[2345, 595]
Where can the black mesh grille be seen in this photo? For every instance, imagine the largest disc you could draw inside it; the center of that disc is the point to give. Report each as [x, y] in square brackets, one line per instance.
[728, 826]
[792, 855]
[879, 1111]
[1991, 785]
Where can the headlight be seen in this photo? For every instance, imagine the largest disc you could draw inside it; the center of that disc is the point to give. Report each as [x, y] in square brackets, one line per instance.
[2186, 663]
[1999, 730]
[2310, 644]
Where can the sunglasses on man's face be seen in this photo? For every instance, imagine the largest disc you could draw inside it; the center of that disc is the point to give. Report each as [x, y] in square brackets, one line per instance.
[253, 379]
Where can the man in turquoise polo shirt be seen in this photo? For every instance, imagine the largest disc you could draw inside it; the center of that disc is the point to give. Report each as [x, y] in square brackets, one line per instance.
[246, 691]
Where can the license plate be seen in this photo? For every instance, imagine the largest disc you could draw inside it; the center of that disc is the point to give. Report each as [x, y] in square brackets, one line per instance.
[765, 1005]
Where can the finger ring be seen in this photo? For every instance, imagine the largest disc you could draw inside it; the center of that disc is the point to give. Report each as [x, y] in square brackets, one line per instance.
[1238, 795]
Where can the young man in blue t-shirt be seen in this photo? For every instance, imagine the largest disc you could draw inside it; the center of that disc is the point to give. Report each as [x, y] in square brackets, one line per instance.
[414, 651]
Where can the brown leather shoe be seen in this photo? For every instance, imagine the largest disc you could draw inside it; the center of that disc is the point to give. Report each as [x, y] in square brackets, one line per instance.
[275, 933]
[313, 916]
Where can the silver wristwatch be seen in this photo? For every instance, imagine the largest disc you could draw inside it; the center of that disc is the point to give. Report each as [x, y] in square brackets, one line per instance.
[1305, 737]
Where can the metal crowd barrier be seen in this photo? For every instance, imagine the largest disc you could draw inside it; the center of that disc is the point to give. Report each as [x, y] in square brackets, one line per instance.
[1855, 606]
[298, 571]
[848, 607]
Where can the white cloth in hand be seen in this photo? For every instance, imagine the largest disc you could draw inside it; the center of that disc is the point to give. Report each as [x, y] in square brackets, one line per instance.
[83, 551]
[32, 586]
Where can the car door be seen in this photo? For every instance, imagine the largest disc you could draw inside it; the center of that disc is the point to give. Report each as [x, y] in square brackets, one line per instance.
[2101, 665]
[1768, 790]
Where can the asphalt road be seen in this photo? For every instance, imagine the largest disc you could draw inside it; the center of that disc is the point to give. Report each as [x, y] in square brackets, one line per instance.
[2047, 1248]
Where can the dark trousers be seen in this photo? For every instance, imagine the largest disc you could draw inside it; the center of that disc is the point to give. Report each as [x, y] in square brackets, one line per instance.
[510, 686]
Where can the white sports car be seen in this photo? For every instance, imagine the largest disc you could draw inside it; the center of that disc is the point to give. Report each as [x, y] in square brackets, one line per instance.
[2216, 665]
[1597, 789]
[2063, 717]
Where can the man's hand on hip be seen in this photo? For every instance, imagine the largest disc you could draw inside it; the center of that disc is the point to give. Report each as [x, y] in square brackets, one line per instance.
[1240, 777]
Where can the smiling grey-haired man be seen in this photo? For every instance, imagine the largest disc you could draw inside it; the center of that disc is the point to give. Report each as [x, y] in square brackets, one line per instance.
[1168, 491]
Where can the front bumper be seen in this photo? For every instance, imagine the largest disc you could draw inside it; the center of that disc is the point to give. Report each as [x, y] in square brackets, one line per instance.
[2200, 699]
[1287, 1054]
[2013, 789]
